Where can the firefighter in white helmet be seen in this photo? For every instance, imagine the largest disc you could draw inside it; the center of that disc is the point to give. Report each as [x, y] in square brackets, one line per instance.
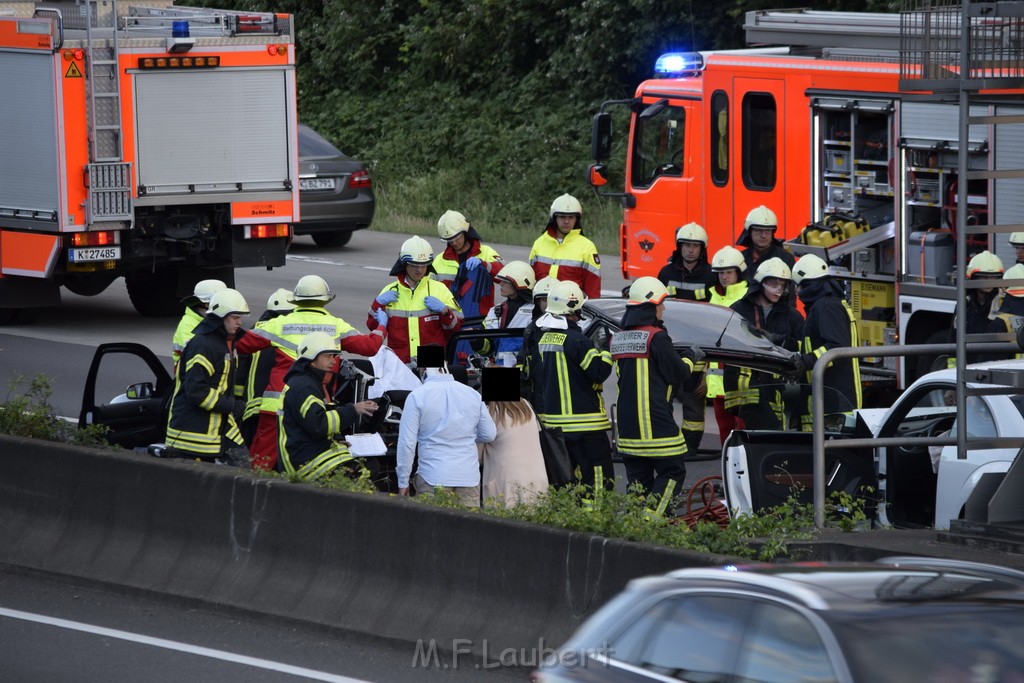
[254, 370]
[756, 396]
[1017, 242]
[563, 252]
[415, 309]
[284, 333]
[760, 240]
[650, 373]
[195, 310]
[830, 324]
[573, 370]
[201, 421]
[309, 419]
[516, 281]
[980, 318]
[1011, 310]
[688, 270]
[466, 266]
[529, 356]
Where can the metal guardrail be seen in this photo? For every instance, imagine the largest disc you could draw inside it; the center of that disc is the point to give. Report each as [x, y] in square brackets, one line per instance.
[818, 408]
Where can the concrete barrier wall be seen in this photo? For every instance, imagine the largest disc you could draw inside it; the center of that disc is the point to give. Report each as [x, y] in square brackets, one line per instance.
[381, 565]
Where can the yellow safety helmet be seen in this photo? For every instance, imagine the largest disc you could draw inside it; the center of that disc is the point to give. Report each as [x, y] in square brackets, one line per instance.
[647, 290]
[761, 217]
[312, 288]
[728, 257]
[281, 301]
[692, 232]
[566, 205]
[565, 297]
[519, 273]
[451, 224]
[809, 267]
[543, 287]
[315, 343]
[773, 267]
[417, 251]
[1015, 272]
[228, 302]
[985, 263]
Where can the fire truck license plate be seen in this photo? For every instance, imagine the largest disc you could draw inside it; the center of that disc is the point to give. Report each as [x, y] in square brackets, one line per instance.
[316, 183]
[83, 254]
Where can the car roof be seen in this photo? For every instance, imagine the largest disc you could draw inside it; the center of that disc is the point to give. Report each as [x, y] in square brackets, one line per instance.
[855, 586]
[949, 375]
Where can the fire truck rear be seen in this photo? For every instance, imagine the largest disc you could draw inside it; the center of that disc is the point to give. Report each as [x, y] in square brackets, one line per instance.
[148, 141]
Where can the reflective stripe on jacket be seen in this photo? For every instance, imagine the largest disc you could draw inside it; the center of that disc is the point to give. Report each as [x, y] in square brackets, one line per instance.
[574, 372]
[472, 291]
[410, 322]
[575, 258]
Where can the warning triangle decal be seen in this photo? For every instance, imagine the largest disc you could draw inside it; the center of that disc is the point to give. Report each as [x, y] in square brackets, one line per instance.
[73, 71]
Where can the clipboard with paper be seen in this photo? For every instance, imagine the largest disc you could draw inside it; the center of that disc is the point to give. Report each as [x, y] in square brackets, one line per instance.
[366, 445]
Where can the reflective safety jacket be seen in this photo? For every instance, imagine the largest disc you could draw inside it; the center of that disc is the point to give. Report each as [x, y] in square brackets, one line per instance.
[308, 421]
[573, 374]
[257, 376]
[473, 290]
[410, 322]
[201, 416]
[650, 373]
[830, 324]
[722, 296]
[575, 258]
[184, 331]
[683, 282]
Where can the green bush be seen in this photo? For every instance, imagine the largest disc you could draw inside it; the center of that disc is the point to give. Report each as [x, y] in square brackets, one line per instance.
[27, 412]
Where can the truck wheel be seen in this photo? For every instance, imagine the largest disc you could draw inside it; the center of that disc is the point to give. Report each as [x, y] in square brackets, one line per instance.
[155, 295]
[331, 239]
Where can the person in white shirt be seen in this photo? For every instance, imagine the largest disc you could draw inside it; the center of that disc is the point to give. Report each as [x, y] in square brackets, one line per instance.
[445, 420]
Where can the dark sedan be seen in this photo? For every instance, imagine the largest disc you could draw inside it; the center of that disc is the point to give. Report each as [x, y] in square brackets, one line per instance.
[335, 192]
[894, 621]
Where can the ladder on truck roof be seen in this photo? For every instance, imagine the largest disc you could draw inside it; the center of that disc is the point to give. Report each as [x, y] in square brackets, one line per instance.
[869, 31]
[202, 22]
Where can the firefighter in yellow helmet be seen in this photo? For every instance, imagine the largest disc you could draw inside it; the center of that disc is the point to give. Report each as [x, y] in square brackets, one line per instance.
[415, 309]
[466, 266]
[563, 252]
[760, 241]
[688, 270]
[980, 318]
[650, 373]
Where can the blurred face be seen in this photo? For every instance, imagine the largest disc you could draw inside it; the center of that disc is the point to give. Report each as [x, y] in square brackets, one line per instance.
[761, 238]
[773, 289]
[415, 271]
[690, 251]
[1020, 253]
[325, 361]
[659, 311]
[232, 323]
[729, 276]
[459, 243]
[565, 223]
[541, 304]
[989, 279]
[508, 290]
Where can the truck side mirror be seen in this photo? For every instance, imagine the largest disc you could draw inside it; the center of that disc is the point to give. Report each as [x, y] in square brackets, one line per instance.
[601, 136]
[597, 175]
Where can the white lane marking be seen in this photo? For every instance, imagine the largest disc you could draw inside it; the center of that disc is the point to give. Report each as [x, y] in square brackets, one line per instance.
[329, 262]
[180, 647]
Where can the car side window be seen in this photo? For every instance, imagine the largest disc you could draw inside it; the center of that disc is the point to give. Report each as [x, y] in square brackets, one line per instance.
[782, 646]
[980, 422]
[601, 336]
[690, 638]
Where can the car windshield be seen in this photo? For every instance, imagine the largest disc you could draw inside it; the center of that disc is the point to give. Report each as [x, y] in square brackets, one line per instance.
[937, 644]
[311, 144]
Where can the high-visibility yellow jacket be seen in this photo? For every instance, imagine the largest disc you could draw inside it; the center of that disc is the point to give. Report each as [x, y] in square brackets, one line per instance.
[410, 322]
[575, 258]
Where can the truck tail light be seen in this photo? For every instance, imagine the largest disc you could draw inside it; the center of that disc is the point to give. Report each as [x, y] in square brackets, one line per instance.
[266, 231]
[360, 179]
[98, 238]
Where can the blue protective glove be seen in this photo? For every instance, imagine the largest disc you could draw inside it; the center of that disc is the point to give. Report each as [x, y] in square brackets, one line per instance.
[473, 262]
[388, 297]
[382, 318]
[434, 304]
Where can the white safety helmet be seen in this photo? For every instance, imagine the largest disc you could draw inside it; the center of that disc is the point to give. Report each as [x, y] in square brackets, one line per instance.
[228, 302]
[205, 289]
[647, 290]
[281, 301]
[1017, 239]
[566, 205]
[451, 224]
[519, 273]
[315, 343]
[761, 217]
[985, 263]
[773, 267]
[1015, 272]
[726, 258]
[312, 288]
[417, 251]
[565, 297]
[692, 232]
[809, 267]
[543, 287]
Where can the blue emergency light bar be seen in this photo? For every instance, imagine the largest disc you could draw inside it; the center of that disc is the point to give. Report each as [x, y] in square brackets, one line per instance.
[678, 64]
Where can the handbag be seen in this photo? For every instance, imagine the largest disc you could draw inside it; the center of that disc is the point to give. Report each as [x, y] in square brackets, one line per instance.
[556, 456]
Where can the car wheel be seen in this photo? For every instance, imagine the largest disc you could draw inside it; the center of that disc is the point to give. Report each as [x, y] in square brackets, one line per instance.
[331, 239]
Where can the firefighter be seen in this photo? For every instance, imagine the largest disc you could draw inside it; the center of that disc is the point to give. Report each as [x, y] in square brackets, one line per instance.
[830, 324]
[573, 372]
[1017, 242]
[201, 422]
[516, 281]
[530, 360]
[196, 307]
[310, 422]
[284, 333]
[414, 309]
[758, 238]
[255, 369]
[728, 266]
[466, 266]
[980, 317]
[650, 373]
[688, 270]
[563, 252]
[1012, 306]
[756, 396]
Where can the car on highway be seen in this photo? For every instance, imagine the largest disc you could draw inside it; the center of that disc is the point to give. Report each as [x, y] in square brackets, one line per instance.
[898, 619]
[908, 486]
[335, 192]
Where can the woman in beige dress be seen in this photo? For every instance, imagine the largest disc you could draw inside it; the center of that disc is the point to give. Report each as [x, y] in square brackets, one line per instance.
[513, 464]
